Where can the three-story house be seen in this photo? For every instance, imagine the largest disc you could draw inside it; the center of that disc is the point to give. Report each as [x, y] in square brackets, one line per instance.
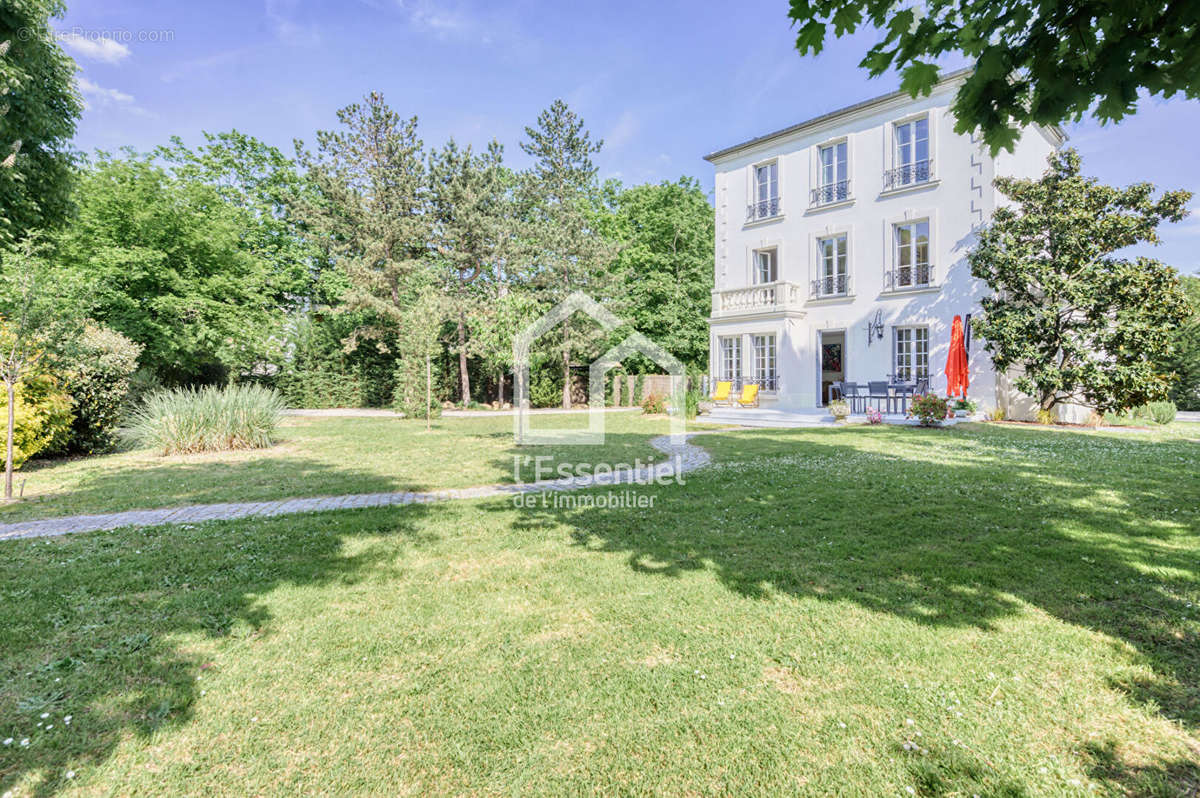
[841, 247]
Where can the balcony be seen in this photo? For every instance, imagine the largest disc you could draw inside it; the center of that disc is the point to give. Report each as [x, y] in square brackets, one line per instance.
[758, 300]
[830, 194]
[829, 286]
[763, 210]
[911, 174]
[909, 278]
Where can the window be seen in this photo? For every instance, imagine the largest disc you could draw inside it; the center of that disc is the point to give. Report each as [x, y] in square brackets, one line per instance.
[764, 362]
[731, 358]
[912, 353]
[765, 200]
[831, 267]
[833, 184]
[766, 266]
[912, 256]
[911, 161]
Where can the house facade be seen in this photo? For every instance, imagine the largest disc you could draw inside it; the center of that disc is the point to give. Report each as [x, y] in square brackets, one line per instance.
[841, 247]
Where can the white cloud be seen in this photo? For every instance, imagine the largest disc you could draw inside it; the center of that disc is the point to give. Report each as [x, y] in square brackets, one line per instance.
[94, 48]
[95, 96]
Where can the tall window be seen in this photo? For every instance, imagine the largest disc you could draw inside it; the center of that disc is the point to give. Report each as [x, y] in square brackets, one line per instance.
[764, 362]
[912, 353]
[766, 266]
[731, 358]
[833, 184]
[912, 256]
[831, 270]
[912, 163]
[766, 191]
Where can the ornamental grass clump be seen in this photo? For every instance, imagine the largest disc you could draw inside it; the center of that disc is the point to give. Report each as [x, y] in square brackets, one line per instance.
[211, 419]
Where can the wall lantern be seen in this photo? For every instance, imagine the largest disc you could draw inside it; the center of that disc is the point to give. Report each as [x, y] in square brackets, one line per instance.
[875, 328]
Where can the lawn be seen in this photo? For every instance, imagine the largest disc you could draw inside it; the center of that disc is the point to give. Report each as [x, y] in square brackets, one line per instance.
[322, 457]
[867, 611]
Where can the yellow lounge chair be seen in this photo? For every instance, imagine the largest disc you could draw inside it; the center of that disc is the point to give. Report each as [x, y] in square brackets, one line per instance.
[749, 397]
[721, 395]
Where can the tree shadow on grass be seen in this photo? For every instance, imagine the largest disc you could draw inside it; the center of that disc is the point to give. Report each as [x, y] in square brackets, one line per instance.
[92, 622]
[945, 528]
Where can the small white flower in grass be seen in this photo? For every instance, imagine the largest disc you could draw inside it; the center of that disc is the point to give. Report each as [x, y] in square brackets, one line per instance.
[8, 741]
[909, 722]
[44, 715]
[49, 727]
[841, 725]
[25, 742]
[254, 719]
[67, 720]
[70, 774]
[910, 791]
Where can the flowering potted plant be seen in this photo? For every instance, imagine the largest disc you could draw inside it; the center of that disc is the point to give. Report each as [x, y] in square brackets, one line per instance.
[839, 409]
[964, 407]
[929, 410]
[874, 416]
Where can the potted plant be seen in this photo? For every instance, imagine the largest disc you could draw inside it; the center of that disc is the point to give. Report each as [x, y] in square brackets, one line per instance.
[839, 409]
[929, 410]
[964, 407]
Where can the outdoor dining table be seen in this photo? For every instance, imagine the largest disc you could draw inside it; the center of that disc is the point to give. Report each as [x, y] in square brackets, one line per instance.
[895, 397]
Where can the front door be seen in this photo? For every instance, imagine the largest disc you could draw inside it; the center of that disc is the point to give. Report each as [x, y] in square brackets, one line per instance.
[831, 365]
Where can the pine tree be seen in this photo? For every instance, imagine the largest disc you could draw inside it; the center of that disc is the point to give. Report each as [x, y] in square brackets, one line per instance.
[471, 235]
[372, 209]
[567, 253]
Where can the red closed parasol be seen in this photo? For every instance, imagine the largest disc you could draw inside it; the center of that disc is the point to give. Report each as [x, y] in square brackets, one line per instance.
[956, 362]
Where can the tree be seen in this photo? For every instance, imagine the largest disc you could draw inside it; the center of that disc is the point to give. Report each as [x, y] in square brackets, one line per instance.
[370, 208]
[470, 204]
[36, 306]
[566, 251]
[37, 83]
[171, 269]
[1079, 324]
[1184, 360]
[665, 264]
[266, 186]
[1035, 62]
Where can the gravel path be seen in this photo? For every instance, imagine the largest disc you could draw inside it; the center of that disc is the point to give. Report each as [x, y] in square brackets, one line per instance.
[681, 458]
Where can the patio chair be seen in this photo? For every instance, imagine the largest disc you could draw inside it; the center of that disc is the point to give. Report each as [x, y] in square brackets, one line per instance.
[749, 397]
[850, 392]
[836, 391]
[723, 394]
[878, 389]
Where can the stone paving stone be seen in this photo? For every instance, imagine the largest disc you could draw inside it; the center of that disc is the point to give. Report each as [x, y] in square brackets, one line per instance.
[683, 457]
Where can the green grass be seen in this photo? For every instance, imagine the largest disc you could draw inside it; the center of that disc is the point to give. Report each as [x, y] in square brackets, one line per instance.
[322, 457]
[980, 610]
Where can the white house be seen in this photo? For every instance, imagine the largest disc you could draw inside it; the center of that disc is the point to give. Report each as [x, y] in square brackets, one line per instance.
[841, 247]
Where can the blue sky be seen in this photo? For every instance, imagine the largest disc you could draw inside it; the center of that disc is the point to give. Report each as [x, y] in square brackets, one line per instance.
[661, 82]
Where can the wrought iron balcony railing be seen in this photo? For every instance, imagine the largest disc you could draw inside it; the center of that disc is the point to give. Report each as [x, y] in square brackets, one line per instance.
[910, 174]
[831, 193]
[906, 277]
[831, 285]
[763, 209]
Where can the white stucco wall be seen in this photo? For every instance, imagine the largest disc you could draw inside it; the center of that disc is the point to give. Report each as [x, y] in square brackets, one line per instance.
[958, 199]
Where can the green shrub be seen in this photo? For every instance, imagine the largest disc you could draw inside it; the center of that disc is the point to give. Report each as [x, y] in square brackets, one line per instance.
[545, 386]
[210, 419]
[929, 410]
[692, 399]
[42, 422]
[1161, 412]
[97, 378]
[412, 388]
